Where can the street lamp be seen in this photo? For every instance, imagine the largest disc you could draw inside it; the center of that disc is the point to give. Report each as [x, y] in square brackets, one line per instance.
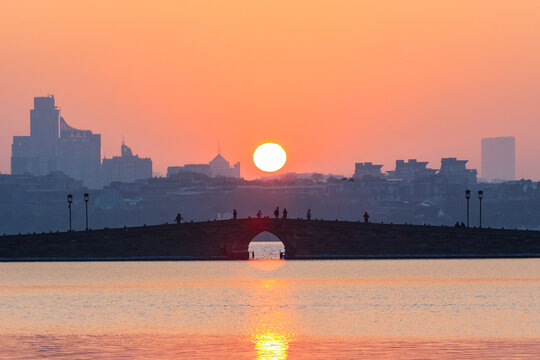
[86, 202]
[480, 197]
[468, 197]
[69, 200]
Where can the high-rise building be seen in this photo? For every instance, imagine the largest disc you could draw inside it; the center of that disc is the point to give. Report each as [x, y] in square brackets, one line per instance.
[36, 154]
[79, 154]
[499, 158]
[53, 145]
[126, 168]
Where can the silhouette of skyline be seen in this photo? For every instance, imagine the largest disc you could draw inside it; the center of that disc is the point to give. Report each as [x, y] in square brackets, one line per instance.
[377, 196]
[77, 154]
[334, 83]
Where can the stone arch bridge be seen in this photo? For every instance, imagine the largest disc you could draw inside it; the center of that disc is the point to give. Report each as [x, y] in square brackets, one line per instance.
[303, 239]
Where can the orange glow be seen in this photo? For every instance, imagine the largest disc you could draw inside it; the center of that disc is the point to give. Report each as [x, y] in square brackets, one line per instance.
[337, 82]
[272, 329]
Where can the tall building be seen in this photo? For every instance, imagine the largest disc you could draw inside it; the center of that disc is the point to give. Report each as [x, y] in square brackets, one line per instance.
[79, 154]
[36, 154]
[499, 158]
[126, 167]
[53, 145]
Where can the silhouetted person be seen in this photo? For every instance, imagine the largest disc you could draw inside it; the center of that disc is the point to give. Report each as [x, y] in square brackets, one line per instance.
[308, 214]
[457, 224]
[179, 218]
[234, 214]
[462, 224]
[285, 213]
[276, 212]
[366, 217]
[259, 214]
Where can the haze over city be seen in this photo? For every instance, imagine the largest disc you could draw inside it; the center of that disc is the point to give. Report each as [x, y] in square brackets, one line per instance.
[269, 179]
[334, 83]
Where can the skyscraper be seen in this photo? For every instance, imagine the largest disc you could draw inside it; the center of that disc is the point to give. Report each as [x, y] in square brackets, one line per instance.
[75, 152]
[499, 158]
[79, 154]
[36, 154]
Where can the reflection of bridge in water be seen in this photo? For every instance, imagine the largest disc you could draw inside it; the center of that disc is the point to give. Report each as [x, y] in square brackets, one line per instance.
[303, 239]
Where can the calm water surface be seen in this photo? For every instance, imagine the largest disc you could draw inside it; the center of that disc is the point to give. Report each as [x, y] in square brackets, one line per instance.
[271, 309]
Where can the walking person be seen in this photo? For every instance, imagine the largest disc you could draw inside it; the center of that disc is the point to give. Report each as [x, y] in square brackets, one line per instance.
[276, 212]
[308, 216]
[285, 213]
[366, 217]
[179, 218]
[259, 214]
[234, 214]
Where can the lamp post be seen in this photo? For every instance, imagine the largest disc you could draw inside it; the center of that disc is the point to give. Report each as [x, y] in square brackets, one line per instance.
[69, 200]
[86, 202]
[480, 197]
[468, 197]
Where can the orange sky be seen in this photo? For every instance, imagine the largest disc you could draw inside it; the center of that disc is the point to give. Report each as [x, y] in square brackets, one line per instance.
[334, 82]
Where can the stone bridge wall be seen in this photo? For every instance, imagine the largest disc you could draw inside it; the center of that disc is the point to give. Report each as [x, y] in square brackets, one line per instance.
[303, 239]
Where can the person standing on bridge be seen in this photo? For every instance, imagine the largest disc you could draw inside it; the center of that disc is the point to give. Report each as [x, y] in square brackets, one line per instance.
[276, 212]
[179, 218]
[259, 214]
[366, 217]
[234, 214]
[308, 216]
[285, 213]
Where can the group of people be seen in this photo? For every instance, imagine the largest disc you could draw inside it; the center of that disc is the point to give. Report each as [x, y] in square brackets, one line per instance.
[284, 213]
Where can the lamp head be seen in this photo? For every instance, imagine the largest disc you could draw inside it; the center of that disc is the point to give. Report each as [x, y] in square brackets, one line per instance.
[69, 198]
[468, 194]
[480, 194]
[85, 196]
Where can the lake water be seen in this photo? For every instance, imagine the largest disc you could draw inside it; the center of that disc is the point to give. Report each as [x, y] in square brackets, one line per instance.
[271, 309]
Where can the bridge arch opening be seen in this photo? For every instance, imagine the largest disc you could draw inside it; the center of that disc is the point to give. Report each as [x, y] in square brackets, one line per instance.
[266, 245]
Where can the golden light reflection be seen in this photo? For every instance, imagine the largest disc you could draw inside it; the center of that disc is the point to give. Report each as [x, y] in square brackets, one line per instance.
[273, 323]
[271, 346]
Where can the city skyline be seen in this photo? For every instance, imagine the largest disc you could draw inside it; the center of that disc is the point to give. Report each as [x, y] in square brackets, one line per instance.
[350, 82]
[74, 169]
[269, 179]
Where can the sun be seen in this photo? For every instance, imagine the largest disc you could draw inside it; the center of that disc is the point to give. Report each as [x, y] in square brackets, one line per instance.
[269, 157]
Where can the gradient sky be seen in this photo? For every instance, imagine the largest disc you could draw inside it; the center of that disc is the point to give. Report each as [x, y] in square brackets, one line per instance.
[334, 82]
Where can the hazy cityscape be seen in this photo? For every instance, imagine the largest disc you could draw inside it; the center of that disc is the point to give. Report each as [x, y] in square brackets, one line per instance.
[269, 180]
[57, 159]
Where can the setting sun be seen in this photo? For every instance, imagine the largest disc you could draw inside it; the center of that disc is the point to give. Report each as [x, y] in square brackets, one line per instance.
[269, 157]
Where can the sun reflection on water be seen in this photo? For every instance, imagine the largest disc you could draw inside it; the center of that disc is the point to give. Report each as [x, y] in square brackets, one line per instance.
[272, 327]
[271, 345]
